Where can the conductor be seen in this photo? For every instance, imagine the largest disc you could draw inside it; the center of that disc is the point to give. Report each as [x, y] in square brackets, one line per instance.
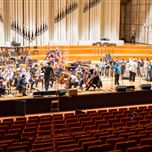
[48, 75]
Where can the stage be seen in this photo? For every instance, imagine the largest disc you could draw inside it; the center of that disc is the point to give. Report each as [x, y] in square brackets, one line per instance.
[34, 105]
[104, 97]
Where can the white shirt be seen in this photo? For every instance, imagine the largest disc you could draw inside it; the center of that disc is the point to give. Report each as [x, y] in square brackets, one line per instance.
[133, 66]
[73, 78]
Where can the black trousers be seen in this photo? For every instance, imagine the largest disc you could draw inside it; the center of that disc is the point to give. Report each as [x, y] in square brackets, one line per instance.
[117, 79]
[75, 84]
[132, 39]
[46, 82]
[132, 76]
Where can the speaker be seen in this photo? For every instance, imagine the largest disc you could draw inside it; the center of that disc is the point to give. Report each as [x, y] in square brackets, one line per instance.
[145, 86]
[121, 88]
[130, 88]
[61, 92]
[43, 93]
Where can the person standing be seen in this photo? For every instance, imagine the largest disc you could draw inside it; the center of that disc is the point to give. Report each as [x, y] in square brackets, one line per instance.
[117, 71]
[132, 70]
[48, 75]
[133, 36]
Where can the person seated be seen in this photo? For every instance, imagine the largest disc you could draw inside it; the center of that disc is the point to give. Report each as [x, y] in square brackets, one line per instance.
[72, 81]
[94, 81]
[2, 87]
[21, 85]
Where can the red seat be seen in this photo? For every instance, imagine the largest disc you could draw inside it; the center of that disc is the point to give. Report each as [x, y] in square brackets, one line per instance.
[92, 111]
[44, 132]
[81, 119]
[143, 107]
[122, 109]
[123, 145]
[82, 140]
[144, 148]
[112, 110]
[42, 145]
[74, 124]
[114, 120]
[67, 147]
[86, 123]
[116, 112]
[21, 119]
[71, 120]
[73, 150]
[137, 137]
[30, 129]
[106, 117]
[126, 135]
[131, 123]
[44, 149]
[90, 128]
[18, 148]
[98, 134]
[112, 141]
[119, 116]
[18, 130]
[101, 121]
[78, 137]
[147, 132]
[117, 124]
[58, 121]
[136, 130]
[85, 145]
[118, 132]
[75, 129]
[66, 138]
[132, 108]
[146, 141]
[12, 136]
[29, 134]
[104, 126]
[64, 142]
[101, 111]
[103, 138]
[61, 131]
[59, 126]
[143, 122]
[44, 127]
[100, 148]
[44, 123]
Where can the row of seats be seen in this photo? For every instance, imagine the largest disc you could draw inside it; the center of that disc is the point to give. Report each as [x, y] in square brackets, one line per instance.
[112, 130]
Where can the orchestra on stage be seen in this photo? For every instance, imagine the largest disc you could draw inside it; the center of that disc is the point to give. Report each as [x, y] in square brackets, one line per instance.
[21, 74]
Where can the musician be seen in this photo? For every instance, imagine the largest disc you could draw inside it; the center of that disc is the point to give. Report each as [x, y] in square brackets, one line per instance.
[94, 81]
[2, 87]
[73, 81]
[21, 85]
[117, 71]
[85, 77]
[48, 75]
[132, 70]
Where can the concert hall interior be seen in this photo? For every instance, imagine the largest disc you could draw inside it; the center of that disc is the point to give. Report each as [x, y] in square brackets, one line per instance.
[75, 75]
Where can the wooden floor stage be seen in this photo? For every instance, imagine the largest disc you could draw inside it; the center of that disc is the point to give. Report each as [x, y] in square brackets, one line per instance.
[106, 97]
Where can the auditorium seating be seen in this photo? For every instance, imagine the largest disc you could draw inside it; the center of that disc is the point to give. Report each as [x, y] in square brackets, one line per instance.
[92, 131]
